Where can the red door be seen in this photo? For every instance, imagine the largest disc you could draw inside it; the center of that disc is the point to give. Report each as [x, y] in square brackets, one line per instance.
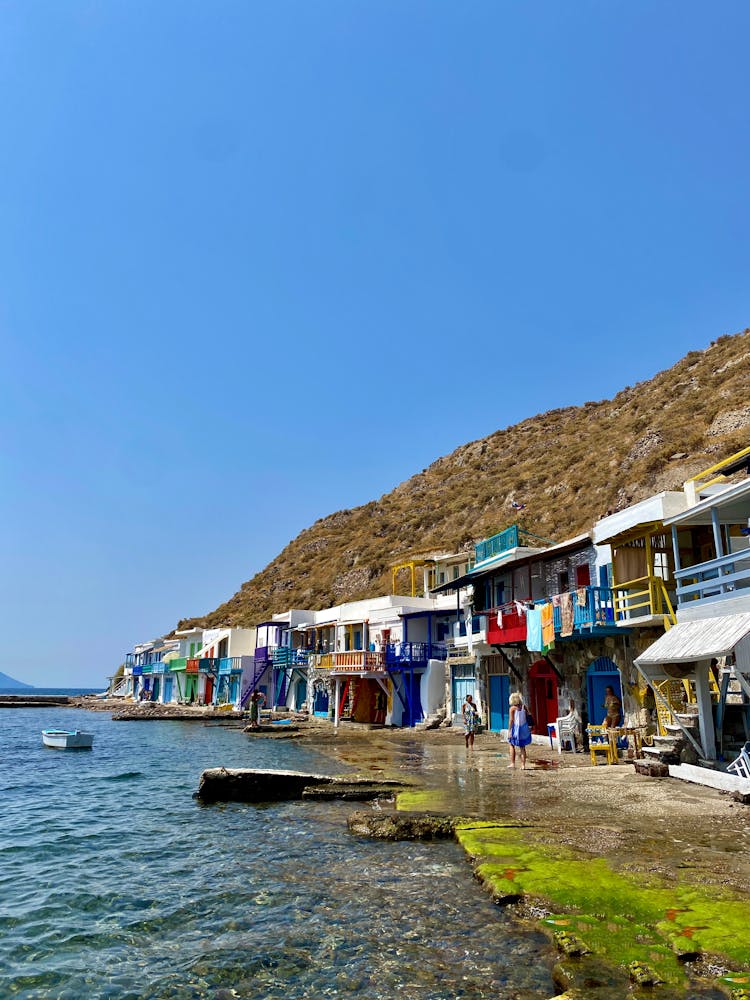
[543, 696]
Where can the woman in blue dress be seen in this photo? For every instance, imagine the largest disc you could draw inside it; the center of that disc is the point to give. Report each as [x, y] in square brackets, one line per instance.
[519, 734]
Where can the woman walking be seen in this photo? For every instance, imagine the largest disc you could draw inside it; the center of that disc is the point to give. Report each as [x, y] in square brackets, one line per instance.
[471, 720]
[519, 734]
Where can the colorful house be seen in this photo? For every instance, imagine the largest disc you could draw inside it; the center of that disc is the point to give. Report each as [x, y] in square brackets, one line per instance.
[706, 655]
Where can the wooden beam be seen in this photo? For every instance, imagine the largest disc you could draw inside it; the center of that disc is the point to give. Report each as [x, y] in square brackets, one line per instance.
[508, 662]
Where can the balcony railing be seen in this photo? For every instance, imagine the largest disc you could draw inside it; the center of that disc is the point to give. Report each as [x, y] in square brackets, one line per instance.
[230, 665]
[414, 653]
[264, 654]
[512, 629]
[503, 541]
[286, 656]
[356, 659]
[179, 663]
[205, 665]
[643, 597]
[597, 608]
[713, 579]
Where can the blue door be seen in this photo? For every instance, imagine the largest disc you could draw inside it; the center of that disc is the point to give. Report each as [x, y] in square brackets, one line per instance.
[301, 693]
[601, 673]
[320, 703]
[463, 683]
[499, 694]
[167, 689]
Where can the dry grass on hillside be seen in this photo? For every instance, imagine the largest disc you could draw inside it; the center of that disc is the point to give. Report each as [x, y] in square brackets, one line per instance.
[568, 467]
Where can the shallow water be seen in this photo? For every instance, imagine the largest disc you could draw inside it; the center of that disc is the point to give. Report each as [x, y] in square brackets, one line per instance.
[115, 883]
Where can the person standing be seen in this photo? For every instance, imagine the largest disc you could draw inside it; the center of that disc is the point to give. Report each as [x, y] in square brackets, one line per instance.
[471, 720]
[612, 706]
[257, 700]
[519, 734]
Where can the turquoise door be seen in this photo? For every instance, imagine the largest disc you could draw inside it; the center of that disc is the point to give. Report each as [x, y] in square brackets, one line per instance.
[463, 683]
[167, 689]
[301, 694]
[499, 694]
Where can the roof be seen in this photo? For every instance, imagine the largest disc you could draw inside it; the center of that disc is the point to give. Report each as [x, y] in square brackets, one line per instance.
[733, 502]
[653, 509]
[698, 640]
[520, 556]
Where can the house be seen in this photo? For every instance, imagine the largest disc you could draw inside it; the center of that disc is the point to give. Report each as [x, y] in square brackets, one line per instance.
[379, 661]
[705, 657]
[143, 676]
[579, 652]
[211, 666]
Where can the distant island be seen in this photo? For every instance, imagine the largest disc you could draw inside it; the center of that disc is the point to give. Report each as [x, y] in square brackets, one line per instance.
[11, 682]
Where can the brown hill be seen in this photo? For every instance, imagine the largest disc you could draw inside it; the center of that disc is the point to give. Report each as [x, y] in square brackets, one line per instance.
[568, 466]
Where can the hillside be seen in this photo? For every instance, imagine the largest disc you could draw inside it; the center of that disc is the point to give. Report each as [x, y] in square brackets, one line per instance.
[10, 683]
[568, 466]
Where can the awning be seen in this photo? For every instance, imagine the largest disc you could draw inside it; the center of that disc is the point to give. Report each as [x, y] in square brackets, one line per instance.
[697, 640]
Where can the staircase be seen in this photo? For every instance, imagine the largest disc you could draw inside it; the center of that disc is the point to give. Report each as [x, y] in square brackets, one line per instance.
[671, 748]
[258, 670]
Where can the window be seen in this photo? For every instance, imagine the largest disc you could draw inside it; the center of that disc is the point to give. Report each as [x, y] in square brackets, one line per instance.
[441, 577]
[455, 572]
[563, 582]
[583, 576]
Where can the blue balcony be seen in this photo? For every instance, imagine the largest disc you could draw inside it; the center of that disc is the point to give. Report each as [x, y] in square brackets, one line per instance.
[715, 580]
[230, 665]
[497, 544]
[286, 656]
[414, 653]
[595, 613]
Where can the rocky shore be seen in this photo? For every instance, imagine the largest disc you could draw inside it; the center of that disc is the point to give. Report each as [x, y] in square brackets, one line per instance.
[639, 882]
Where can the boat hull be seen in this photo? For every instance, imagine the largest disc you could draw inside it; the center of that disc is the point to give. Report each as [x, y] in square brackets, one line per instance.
[62, 739]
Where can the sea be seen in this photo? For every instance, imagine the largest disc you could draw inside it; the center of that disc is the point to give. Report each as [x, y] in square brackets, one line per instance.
[116, 883]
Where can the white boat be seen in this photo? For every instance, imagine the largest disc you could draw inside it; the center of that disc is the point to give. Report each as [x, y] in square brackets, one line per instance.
[64, 739]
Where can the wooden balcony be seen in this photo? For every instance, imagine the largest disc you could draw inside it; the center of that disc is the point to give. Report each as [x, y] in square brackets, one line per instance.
[352, 661]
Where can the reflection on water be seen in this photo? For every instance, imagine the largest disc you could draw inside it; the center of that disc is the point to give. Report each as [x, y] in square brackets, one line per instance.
[116, 884]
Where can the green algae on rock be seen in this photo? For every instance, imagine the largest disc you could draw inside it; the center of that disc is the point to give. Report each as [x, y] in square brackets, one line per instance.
[657, 925]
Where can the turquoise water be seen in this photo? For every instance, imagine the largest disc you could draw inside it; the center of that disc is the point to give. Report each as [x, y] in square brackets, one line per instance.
[116, 883]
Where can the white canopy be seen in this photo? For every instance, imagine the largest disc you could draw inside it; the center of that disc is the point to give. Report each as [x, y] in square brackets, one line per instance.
[697, 640]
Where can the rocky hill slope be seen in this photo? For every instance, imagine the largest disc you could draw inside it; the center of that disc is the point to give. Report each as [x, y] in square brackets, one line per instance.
[567, 466]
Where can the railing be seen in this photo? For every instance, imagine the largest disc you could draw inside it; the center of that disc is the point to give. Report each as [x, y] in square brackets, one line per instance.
[264, 654]
[644, 596]
[503, 541]
[230, 665]
[205, 665]
[159, 667]
[513, 628]
[597, 608]
[414, 652]
[286, 656]
[179, 663]
[356, 659]
[717, 577]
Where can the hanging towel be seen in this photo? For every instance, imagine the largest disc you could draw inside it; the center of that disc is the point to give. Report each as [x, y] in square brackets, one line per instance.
[548, 625]
[499, 619]
[581, 597]
[566, 614]
[534, 630]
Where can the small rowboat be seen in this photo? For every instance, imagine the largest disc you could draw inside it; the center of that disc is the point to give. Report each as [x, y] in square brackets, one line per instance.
[63, 739]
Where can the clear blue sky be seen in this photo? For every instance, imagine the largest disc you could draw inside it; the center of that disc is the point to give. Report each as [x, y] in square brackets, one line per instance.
[261, 260]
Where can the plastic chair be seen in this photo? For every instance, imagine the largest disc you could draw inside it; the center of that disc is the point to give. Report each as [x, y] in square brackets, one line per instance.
[599, 742]
[565, 734]
[741, 765]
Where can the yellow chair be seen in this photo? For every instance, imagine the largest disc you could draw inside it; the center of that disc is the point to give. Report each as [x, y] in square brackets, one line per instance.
[599, 742]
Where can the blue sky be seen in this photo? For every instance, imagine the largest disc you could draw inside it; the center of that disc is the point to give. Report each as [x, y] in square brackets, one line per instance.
[260, 261]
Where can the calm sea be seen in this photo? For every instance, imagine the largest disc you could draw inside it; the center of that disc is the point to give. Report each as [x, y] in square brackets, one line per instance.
[115, 883]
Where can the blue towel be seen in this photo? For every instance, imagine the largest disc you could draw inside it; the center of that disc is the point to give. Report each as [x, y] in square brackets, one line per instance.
[534, 630]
